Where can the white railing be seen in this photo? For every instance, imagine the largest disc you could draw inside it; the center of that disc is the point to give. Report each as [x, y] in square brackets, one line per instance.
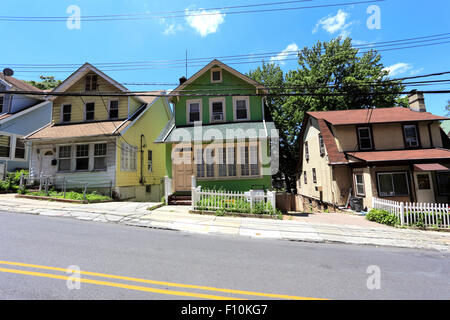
[426, 214]
[232, 201]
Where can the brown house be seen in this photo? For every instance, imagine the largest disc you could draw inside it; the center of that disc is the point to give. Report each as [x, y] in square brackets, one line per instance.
[394, 153]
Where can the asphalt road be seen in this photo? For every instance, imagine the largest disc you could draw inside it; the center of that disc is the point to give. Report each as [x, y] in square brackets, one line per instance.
[175, 259]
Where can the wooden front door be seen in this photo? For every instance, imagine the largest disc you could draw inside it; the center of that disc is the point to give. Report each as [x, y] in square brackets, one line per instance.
[182, 169]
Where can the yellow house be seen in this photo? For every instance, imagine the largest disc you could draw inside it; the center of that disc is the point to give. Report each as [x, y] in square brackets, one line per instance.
[101, 137]
[390, 153]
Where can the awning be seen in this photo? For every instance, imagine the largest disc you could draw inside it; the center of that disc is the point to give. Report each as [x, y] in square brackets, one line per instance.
[430, 167]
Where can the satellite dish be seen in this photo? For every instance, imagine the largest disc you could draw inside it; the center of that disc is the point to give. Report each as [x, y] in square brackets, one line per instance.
[8, 72]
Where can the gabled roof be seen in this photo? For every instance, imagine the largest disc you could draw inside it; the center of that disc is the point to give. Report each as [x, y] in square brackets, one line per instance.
[210, 65]
[376, 115]
[18, 85]
[81, 72]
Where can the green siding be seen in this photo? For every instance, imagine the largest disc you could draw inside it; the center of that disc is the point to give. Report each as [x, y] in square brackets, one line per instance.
[227, 85]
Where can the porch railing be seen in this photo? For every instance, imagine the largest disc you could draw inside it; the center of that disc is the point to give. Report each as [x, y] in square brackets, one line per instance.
[412, 213]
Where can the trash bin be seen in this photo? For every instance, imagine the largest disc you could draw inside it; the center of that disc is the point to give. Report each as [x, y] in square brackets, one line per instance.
[356, 204]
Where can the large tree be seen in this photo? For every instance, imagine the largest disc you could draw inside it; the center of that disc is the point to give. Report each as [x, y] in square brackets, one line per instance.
[331, 76]
[46, 83]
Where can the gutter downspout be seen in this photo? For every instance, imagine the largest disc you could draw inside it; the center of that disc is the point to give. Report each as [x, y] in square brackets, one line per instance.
[141, 180]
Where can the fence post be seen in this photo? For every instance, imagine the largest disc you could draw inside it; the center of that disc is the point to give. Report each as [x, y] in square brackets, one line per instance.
[21, 181]
[166, 189]
[402, 213]
[40, 182]
[272, 198]
[251, 200]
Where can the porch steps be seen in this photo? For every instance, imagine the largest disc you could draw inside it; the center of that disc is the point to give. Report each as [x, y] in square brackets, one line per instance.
[180, 200]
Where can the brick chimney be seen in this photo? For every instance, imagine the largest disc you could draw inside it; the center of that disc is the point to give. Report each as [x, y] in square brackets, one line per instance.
[417, 101]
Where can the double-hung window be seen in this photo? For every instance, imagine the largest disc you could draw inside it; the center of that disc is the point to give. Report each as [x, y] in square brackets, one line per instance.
[306, 151]
[66, 112]
[231, 161]
[128, 157]
[91, 82]
[5, 146]
[365, 138]
[100, 156]
[393, 184]
[199, 163]
[217, 109]
[210, 165]
[90, 111]
[359, 184]
[245, 166]
[314, 176]
[241, 108]
[411, 136]
[114, 109]
[82, 157]
[64, 156]
[254, 166]
[194, 111]
[20, 149]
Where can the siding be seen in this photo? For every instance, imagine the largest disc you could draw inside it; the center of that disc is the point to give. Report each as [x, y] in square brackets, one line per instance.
[101, 103]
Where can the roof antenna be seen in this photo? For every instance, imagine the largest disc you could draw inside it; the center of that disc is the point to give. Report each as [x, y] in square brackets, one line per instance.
[8, 72]
[186, 65]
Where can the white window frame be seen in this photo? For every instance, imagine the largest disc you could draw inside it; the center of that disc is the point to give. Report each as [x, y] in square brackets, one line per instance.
[70, 158]
[247, 103]
[24, 148]
[416, 129]
[109, 108]
[85, 110]
[102, 156]
[188, 108]
[221, 75]
[62, 112]
[356, 174]
[370, 138]
[128, 157]
[224, 111]
[84, 157]
[10, 146]
[149, 160]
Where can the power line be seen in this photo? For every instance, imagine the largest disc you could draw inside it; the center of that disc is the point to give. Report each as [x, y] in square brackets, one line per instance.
[437, 37]
[187, 13]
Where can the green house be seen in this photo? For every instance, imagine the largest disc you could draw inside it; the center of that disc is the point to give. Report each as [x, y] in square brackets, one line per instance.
[219, 133]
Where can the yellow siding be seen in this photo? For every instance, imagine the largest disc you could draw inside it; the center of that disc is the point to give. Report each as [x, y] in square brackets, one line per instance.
[150, 125]
[101, 103]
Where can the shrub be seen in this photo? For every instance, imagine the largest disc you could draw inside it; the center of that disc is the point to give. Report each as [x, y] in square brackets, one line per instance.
[382, 216]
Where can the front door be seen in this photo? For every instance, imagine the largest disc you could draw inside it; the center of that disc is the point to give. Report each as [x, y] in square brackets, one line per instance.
[46, 164]
[424, 187]
[182, 169]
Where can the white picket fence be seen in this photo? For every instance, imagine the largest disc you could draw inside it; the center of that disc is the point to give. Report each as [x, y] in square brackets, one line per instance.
[232, 200]
[428, 214]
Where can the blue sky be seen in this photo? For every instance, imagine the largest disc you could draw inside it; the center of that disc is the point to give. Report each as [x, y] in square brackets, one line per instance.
[217, 35]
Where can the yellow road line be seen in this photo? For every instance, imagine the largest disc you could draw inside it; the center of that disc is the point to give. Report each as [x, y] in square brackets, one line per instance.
[170, 284]
[118, 285]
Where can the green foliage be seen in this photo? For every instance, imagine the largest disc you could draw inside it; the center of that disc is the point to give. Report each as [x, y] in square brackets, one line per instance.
[47, 83]
[94, 196]
[382, 216]
[447, 108]
[12, 181]
[324, 70]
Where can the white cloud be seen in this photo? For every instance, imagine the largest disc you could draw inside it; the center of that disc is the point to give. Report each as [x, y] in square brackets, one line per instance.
[416, 71]
[204, 22]
[333, 24]
[398, 68]
[283, 55]
[170, 28]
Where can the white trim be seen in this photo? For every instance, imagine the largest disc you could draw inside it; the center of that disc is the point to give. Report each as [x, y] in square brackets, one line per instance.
[62, 110]
[378, 174]
[370, 138]
[416, 129]
[212, 70]
[357, 183]
[188, 105]
[247, 102]
[224, 110]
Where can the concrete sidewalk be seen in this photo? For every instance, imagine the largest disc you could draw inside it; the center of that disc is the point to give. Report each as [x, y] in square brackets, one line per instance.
[179, 218]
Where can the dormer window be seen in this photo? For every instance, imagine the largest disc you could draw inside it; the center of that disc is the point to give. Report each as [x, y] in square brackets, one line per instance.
[411, 136]
[216, 75]
[365, 138]
[91, 82]
[217, 109]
